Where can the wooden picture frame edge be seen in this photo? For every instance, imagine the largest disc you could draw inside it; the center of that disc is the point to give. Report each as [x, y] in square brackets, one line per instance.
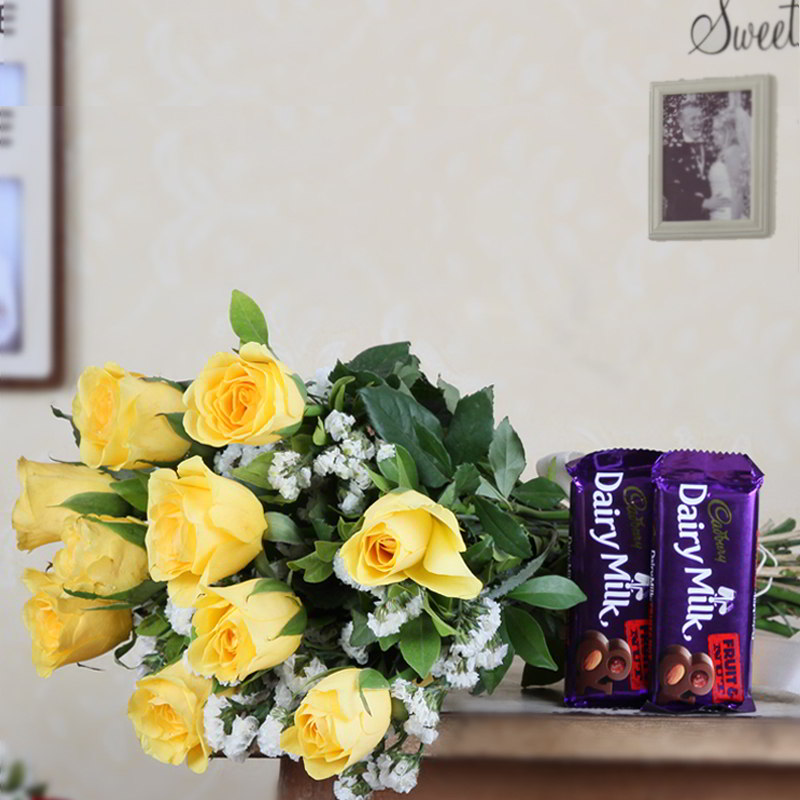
[56, 374]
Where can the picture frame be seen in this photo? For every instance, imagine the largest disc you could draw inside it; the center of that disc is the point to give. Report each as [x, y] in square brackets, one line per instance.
[711, 158]
[31, 196]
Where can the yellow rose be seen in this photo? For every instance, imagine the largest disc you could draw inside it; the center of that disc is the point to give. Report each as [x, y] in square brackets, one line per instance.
[201, 528]
[245, 398]
[407, 535]
[332, 729]
[63, 629]
[118, 416]
[167, 714]
[97, 560]
[238, 634]
[37, 519]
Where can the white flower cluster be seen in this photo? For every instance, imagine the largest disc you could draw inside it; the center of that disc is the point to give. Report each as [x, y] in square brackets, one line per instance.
[346, 461]
[396, 771]
[292, 683]
[320, 386]
[236, 744]
[391, 614]
[143, 647]
[476, 647]
[237, 455]
[358, 654]
[386, 451]
[180, 619]
[269, 734]
[421, 704]
[287, 475]
[350, 785]
[340, 571]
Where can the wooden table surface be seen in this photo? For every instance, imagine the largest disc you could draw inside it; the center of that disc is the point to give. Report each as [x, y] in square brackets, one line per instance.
[514, 745]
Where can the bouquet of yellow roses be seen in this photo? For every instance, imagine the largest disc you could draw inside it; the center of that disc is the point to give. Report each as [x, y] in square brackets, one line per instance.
[295, 568]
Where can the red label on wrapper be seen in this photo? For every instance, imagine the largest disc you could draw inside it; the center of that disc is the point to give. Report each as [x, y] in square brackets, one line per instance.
[726, 654]
[637, 632]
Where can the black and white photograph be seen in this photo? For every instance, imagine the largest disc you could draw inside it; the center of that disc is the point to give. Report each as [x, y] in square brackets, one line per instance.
[709, 159]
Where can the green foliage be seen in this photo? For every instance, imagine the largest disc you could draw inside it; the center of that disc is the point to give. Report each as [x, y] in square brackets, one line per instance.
[397, 418]
[105, 503]
[131, 598]
[247, 319]
[470, 432]
[507, 457]
[507, 533]
[282, 528]
[314, 569]
[549, 591]
[527, 637]
[256, 472]
[133, 491]
[539, 493]
[420, 644]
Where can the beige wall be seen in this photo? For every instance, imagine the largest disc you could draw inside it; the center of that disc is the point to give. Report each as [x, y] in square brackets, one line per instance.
[470, 174]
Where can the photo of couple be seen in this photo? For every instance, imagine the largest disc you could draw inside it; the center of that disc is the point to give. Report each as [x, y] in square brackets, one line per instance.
[706, 140]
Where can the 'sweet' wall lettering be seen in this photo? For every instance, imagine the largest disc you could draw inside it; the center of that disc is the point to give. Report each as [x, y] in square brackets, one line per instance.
[714, 35]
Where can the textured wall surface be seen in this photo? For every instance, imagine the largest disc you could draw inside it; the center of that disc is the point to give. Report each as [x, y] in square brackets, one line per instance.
[470, 174]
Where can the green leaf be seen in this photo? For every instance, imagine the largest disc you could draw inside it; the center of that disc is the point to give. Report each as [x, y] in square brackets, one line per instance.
[787, 526]
[394, 416]
[506, 457]
[467, 479]
[108, 504]
[527, 637]
[346, 529]
[154, 625]
[435, 448]
[508, 535]
[267, 585]
[539, 493]
[370, 679]
[315, 570]
[132, 532]
[133, 492]
[479, 554]
[326, 550]
[313, 410]
[296, 625]
[282, 528]
[485, 489]
[549, 591]
[361, 636]
[301, 386]
[261, 565]
[301, 443]
[470, 432]
[420, 644]
[336, 400]
[385, 642]
[247, 319]
[379, 481]
[256, 473]
[450, 393]
[175, 420]
[289, 431]
[400, 469]
[131, 597]
[442, 628]
[320, 436]
[381, 359]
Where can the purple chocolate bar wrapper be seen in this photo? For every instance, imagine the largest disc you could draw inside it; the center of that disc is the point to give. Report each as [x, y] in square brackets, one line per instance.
[703, 581]
[611, 524]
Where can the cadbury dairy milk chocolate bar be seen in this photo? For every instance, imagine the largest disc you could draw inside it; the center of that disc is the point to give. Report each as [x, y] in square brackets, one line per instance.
[611, 524]
[703, 580]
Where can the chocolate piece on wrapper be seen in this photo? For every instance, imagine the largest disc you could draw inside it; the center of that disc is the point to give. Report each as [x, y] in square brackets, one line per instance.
[611, 522]
[703, 581]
